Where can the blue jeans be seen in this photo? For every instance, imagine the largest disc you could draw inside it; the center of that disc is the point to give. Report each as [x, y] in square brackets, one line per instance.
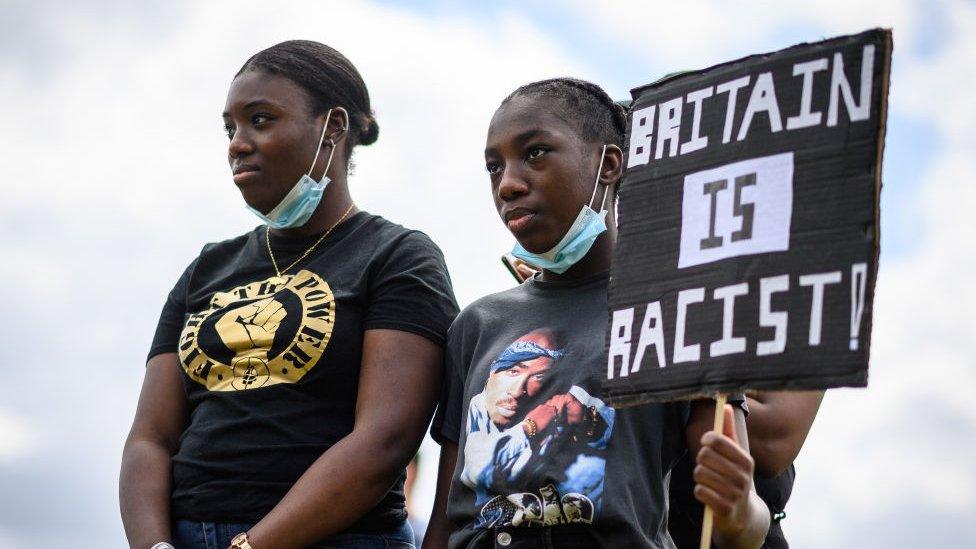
[210, 535]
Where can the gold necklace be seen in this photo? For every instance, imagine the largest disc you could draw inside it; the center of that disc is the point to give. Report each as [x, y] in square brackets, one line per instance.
[267, 240]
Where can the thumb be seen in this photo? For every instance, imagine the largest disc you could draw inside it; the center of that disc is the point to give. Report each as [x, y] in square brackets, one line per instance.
[728, 426]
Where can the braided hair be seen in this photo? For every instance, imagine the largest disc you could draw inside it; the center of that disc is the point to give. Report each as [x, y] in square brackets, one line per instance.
[330, 79]
[599, 118]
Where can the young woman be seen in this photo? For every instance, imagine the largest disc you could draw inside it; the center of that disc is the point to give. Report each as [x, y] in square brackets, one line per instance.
[295, 367]
[531, 455]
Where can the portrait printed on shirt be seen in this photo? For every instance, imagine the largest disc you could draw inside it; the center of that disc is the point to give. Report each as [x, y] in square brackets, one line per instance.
[535, 451]
[259, 334]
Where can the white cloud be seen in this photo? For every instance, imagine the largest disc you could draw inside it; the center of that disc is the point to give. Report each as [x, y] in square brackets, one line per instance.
[698, 33]
[18, 440]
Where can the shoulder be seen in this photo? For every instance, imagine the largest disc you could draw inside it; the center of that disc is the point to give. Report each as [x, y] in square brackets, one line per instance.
[375, 226]
[393, 241]
[229, 246]
[217, 255]
[483, 313]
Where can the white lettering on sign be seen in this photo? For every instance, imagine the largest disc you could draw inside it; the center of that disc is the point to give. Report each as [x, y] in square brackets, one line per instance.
[620, 341]
[763, 98]
[839, 83]
[652, 333]
[768, 318]
[683, 352]
[641, 132]
[651, 342]
[818, 281]
[742, 208]
[807, 117]
[728, 345]
[697, 141]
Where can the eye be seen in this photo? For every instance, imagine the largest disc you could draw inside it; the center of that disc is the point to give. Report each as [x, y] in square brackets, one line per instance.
[260, 118]
[493, 168]
[229, 130]
[536, 152]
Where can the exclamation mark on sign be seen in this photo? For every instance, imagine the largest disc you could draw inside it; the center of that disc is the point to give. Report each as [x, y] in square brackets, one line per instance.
[859, 276]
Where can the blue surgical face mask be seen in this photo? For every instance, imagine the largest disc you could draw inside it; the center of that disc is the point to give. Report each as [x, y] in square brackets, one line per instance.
[300, 203]
[578, 239]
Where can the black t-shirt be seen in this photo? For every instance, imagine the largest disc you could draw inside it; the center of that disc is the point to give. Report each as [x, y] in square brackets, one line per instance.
[685, 519]
[538, 447]
[271, 364]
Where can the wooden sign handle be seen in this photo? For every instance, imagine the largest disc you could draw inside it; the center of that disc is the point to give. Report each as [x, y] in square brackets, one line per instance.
[706, 533]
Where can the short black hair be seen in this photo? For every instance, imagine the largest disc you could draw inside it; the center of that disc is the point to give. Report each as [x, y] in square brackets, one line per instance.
[599, 118]
[330, 79]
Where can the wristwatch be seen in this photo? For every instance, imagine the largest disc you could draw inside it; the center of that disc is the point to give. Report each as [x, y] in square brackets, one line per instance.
[240, 542]
[163, 545]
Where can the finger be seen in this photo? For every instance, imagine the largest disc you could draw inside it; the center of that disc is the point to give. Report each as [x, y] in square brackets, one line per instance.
[524, 271]
[727, 448]
[728, 426]
[574, 412]
[735, 473]
[719, 505]
[558, 402]
[732, 488]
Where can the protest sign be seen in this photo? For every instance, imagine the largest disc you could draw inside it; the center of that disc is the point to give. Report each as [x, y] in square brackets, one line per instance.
[748, 213]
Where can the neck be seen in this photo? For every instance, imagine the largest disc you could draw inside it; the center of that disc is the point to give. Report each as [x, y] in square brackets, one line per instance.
[596, 261]
[335, 201]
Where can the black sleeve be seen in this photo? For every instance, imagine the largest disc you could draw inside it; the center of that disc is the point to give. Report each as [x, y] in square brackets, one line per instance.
[735, 399]
[446, 426]
[172, 318]
[739, 401]
[412, 291]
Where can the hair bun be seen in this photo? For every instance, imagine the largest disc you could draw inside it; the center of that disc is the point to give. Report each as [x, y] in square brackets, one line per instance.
[370, 131]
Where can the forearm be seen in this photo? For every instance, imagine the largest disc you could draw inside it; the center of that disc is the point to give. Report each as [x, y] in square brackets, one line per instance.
[144, 493]
[438, 532]
[340, 487]
[753, 531]
[440, 527]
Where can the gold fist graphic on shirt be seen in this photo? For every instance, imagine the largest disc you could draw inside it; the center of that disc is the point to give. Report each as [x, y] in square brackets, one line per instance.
[252, 326]
[259, 334]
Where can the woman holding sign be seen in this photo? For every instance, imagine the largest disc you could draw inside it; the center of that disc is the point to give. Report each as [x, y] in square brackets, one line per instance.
[295, 367]
[531, 455]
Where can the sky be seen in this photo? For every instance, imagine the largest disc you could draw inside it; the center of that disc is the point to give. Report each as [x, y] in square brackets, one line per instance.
[116, 176]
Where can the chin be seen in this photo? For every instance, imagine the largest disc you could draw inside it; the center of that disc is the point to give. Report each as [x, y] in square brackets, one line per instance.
[535, 246]
[258, 201]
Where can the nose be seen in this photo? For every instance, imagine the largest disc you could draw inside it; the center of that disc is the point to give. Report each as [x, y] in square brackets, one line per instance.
[240, 145]
[518, 388]
[512, 185]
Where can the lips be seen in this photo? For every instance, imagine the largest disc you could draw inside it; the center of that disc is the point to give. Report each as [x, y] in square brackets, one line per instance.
[504, 412]
[506, 407]
[517, 219]
[244, 168]
[242, 172]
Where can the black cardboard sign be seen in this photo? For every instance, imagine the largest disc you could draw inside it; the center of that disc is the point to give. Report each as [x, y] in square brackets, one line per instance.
[748, 213]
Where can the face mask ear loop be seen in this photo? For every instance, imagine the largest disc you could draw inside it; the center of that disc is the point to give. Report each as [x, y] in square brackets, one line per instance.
[603, 155]
[319, 148]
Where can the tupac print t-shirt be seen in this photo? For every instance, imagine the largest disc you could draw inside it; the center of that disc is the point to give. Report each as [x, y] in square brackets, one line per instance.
[538, 447]
[271, 363]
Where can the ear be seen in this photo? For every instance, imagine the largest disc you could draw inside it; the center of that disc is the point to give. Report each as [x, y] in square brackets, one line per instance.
[338, 125]
[613, 166]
